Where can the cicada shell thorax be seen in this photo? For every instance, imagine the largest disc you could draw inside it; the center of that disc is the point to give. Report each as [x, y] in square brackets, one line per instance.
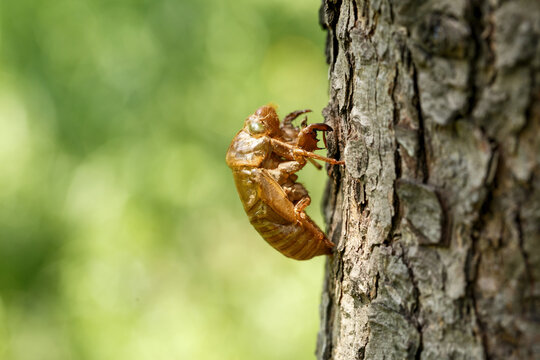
[247, 151]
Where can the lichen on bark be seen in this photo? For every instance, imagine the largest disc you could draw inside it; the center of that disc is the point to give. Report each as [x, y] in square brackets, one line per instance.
[435, 107]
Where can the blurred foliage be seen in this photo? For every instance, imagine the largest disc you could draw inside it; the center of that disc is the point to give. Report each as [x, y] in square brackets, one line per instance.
[121, 234]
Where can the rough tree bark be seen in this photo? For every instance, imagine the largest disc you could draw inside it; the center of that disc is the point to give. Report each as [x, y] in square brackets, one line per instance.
[436, 217]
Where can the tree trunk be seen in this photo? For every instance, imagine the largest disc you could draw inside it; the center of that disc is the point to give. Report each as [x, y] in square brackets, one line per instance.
[435, 107]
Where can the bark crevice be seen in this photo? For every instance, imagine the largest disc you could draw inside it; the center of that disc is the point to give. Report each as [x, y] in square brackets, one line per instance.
[423, 149]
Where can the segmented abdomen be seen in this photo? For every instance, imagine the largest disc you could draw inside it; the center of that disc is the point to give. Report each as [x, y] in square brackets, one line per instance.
[298, 240]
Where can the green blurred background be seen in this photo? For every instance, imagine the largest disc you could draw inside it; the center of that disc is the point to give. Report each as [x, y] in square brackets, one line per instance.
[121, 233]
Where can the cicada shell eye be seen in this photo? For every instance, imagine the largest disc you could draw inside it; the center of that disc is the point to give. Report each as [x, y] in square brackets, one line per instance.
[267, 114]
[256, 127]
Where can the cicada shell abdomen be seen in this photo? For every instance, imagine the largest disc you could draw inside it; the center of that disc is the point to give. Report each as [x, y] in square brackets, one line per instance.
[294, 240]
[265, 204]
